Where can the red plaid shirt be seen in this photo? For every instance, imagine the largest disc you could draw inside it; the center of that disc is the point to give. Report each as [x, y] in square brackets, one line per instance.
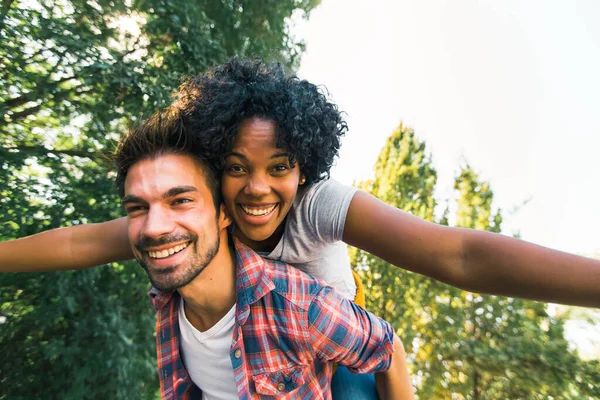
[289, 330]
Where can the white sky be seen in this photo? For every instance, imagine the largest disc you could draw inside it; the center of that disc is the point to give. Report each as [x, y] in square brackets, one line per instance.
[512, 87]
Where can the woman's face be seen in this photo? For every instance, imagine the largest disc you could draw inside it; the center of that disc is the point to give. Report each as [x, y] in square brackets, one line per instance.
[258, 184]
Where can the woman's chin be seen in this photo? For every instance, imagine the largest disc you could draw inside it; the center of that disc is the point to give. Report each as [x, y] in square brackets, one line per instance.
[258, 236]
[257, 239]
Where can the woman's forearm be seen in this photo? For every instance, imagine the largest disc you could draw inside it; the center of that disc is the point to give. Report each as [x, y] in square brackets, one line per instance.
[499, 264]
[395, 382]
[75, 247]
[469, 259]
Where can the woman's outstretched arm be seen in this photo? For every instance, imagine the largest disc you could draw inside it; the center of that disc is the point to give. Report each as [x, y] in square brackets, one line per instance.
[473, 260]
[74, 247]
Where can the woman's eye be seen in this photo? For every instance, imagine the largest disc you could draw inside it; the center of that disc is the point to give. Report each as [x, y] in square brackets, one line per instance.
[280, 168]
[235, 168]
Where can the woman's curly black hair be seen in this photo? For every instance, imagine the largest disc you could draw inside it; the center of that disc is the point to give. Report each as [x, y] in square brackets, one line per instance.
[308, 126]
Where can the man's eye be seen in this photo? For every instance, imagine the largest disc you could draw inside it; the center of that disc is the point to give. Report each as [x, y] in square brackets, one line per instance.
[134, 209]
[181, 201]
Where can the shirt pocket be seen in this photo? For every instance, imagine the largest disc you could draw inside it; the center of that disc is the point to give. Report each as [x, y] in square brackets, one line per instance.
[280, 382]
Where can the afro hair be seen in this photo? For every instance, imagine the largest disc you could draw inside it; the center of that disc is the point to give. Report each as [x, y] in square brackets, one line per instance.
[308, 126]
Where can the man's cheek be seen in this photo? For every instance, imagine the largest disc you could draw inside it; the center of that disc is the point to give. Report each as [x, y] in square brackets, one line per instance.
[133, 230]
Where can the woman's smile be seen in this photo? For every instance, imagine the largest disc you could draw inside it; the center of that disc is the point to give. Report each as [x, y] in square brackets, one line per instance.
[258, 214]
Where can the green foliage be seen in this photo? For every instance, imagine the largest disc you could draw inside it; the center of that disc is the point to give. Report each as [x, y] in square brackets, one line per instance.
[74, 74]
[404, 178]
[464, 345]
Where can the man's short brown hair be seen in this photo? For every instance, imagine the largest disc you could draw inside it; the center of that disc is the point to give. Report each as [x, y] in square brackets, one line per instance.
[165, 132]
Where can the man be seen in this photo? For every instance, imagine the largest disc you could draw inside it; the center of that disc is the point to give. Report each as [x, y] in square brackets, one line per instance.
[231, 324]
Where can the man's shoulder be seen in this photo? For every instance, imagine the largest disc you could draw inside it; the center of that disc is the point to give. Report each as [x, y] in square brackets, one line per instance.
[258, 277]
[296, 286]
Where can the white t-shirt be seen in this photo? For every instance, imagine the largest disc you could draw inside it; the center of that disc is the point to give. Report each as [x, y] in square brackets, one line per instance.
[206, 356]
[312, 239]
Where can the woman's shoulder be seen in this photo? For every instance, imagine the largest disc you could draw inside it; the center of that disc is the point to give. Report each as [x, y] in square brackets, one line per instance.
[324, 191]
[320, 211]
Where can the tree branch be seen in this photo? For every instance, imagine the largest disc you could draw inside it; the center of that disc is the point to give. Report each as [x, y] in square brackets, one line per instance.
[6, 4]
[25, 113]
[99, 157]
[19, 101]
[32, 110]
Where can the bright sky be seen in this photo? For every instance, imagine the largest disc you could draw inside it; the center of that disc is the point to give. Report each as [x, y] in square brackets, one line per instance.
[512, 87]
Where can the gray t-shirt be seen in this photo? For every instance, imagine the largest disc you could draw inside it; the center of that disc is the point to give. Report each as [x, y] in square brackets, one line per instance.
[312, 239]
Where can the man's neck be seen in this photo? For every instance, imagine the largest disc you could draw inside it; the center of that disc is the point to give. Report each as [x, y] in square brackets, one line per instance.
[212, 294]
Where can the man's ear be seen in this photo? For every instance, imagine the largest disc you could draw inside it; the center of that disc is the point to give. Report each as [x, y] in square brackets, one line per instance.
[224, 217]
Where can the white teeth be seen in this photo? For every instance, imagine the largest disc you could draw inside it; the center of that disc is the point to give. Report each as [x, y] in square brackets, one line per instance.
[168, 252]
[258, 212]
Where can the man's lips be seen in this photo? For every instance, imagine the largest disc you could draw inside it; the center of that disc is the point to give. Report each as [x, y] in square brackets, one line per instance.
[166, 251]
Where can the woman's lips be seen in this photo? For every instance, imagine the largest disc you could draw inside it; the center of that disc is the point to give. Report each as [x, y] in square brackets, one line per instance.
[258, 214]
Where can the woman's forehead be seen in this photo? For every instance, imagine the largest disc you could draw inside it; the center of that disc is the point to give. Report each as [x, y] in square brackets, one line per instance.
[256, 133]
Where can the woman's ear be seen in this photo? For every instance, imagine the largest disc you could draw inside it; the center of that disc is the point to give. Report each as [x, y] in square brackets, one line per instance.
[302, 180]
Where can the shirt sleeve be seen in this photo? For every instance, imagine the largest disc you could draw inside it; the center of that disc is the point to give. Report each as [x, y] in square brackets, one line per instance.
[343, 332]
[326, 207]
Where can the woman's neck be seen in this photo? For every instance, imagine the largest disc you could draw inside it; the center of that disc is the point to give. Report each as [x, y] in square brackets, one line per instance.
[262, 246]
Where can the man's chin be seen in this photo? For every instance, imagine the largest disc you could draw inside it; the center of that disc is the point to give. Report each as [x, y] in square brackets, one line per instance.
[165, 286]
[163, 280]
[171, 278]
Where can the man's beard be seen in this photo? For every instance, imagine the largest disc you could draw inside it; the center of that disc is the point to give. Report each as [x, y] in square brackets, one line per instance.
[177, 276]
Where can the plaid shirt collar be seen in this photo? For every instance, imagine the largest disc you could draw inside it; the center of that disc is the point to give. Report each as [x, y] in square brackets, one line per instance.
[295, 359]
[252, 282]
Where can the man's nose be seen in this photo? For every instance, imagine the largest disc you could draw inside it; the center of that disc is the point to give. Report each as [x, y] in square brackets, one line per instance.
[258, 185]
[158, 223]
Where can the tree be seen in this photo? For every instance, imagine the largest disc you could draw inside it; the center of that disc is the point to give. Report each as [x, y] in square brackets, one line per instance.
[493, 347]
[404, 178]
[464, 345]
[74, 74]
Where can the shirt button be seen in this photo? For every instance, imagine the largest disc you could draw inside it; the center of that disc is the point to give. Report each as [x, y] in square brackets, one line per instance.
[237, 353]
[281, 386]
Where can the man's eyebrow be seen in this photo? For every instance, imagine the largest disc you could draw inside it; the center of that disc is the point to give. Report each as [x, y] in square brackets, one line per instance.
[179, 190]
[130, 198]
[243, 157]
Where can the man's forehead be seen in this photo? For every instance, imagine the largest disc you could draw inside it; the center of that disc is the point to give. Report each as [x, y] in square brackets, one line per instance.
[158, 174]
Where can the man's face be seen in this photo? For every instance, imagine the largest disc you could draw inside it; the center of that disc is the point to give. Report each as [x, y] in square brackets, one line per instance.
[173, 226]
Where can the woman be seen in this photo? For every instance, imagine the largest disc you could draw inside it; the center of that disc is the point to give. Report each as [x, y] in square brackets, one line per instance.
[247, 95]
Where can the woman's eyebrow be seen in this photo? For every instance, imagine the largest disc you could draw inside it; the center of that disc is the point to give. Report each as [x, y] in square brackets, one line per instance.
[277, 155]
[234, 153]
[243, 157]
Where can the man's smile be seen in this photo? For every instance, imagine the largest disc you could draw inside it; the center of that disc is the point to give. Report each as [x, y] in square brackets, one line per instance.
[164, 253]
